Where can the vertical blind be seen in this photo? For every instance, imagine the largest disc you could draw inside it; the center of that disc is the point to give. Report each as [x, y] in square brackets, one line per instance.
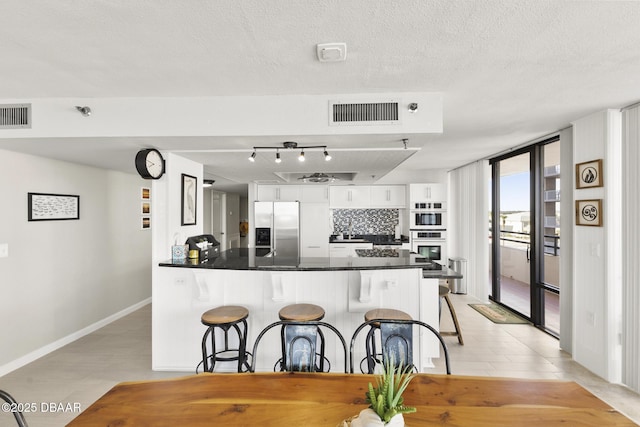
[468, 228]
[631, 248]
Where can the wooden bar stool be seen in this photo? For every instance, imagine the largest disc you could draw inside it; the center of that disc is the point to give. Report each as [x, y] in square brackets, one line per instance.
[225, 317]
[299, 343]
[370, 340]
[444, 294]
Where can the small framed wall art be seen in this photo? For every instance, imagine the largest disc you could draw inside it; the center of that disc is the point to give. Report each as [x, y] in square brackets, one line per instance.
[189, 185]
[52, 207]
[589, 212]
[589, 174]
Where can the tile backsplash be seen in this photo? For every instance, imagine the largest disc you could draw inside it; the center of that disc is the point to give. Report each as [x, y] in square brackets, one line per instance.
[365, 221]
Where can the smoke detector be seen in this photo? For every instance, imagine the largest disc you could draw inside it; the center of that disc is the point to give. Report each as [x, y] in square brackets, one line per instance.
[331, 52]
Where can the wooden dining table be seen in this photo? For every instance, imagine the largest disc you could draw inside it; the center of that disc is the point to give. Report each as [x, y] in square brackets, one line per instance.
[312, 399]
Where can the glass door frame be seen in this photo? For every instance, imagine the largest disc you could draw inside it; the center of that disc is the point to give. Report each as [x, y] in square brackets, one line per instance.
[537, 286]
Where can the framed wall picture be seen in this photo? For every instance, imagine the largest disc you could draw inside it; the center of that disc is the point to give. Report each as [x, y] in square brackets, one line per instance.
[52, 207]
[589, 174]
[145, 193]
[145, 208]
[189, 202]
[589, 212]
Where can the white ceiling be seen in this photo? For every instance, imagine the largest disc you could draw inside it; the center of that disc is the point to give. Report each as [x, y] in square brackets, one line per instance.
[509, 71]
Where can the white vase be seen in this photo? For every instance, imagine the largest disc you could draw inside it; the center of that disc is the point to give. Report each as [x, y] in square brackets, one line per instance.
[368, 418]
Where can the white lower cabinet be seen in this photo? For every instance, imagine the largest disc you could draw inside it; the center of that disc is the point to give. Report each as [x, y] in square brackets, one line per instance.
[347, 249]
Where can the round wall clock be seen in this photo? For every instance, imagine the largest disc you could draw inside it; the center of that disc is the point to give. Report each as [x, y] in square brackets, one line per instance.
[150, 163]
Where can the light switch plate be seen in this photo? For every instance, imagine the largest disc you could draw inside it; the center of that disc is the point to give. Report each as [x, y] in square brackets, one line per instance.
[4, 250]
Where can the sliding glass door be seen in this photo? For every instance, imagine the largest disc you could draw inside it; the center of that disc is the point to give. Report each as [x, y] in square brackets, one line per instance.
[513, 198]
[525, 234]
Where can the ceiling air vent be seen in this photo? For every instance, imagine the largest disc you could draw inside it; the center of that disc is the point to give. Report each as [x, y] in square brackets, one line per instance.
[372, 113]
[15, 116]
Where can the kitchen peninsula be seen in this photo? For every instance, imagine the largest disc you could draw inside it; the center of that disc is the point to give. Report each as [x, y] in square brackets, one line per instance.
[346, 287]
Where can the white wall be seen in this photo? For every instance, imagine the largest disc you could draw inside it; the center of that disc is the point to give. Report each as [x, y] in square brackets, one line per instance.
[63, 278]
[597, 268]
[167, 230]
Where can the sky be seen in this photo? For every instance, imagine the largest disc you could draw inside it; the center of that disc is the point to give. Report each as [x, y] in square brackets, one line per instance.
[514, 192]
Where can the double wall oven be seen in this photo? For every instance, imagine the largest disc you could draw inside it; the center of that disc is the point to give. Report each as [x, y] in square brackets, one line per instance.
[430, 244]
[428, 216]
[428, 230]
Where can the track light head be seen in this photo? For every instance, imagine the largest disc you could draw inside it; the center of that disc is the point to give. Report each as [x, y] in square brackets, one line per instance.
[252, 158]
[301, 156]
[327, 157]
[278, 159]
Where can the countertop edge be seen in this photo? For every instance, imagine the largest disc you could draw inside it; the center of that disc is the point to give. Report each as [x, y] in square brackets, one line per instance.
[445, 273]
[297, 268]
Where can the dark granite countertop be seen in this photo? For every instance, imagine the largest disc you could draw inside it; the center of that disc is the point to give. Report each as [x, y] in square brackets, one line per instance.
[246, 259]
[376, 239]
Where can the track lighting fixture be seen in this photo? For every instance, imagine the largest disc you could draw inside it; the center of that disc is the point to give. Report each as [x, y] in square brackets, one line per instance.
[86, 111]
[404, 141]
[291, 146]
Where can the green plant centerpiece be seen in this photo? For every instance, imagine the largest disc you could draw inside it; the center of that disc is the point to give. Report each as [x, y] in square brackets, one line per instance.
[386, 404]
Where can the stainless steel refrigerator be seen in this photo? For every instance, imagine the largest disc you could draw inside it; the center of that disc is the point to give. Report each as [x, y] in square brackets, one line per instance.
[277, 226]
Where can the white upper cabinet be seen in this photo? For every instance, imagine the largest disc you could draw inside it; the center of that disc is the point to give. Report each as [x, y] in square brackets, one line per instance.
[349, 196]
[388, 196]
[313, 193]
[427, 193]
[278, 193]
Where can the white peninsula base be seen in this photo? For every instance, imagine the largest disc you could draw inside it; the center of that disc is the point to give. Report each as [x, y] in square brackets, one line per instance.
[181, 295]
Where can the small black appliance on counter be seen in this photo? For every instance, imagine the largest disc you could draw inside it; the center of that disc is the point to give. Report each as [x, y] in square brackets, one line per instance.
[206, 245]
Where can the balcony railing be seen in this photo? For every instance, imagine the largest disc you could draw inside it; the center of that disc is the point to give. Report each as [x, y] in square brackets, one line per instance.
[515, 250]
[551, 241]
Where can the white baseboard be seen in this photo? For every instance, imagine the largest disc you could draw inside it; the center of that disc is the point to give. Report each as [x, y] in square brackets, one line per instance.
[42, 351]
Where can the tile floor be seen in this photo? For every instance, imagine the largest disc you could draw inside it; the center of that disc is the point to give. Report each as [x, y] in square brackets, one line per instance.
[87, 368]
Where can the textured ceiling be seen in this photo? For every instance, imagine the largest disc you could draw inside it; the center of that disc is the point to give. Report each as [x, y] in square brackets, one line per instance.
[509, 71]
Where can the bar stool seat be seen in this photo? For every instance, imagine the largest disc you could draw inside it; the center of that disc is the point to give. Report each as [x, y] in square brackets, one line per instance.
[301, 312]
[444, 294]
[224, 314]
[385, 313]
[372, 356]
[225, 317]
[299, 342]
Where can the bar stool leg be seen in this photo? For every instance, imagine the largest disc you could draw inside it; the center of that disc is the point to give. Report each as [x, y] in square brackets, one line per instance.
[455, 319]
[370, 346]
[321, 335]
[205, 362]
[242, 345]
